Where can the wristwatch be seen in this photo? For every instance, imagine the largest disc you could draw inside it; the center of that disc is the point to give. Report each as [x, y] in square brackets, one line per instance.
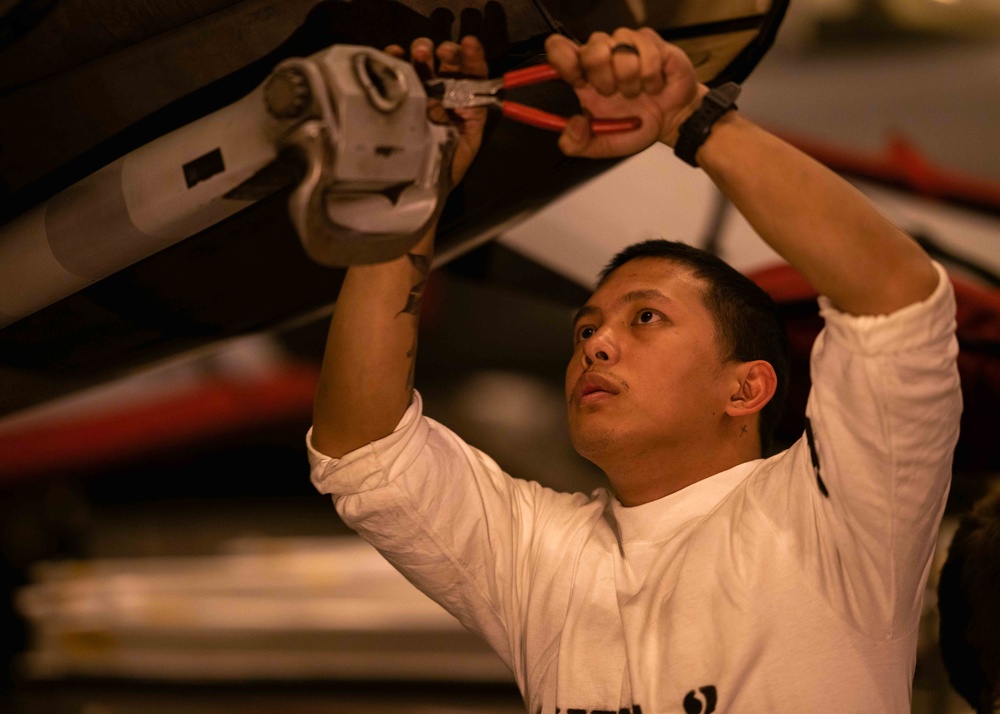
[698, 126]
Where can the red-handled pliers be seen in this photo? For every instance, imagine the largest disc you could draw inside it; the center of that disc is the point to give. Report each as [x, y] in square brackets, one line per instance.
[455, 93]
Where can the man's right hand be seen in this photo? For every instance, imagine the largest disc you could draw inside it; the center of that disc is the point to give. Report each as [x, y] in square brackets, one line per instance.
[466, 59]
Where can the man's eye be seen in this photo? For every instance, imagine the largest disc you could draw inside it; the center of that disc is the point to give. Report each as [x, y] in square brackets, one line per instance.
[585, 333]
[644, 317]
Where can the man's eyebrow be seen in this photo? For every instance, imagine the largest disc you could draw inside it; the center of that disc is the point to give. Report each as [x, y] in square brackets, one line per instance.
[631, 296]
[636, 295]
[583, 312]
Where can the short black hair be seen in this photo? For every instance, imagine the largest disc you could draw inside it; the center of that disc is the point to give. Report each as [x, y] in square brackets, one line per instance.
[968, 593]
[746, 318]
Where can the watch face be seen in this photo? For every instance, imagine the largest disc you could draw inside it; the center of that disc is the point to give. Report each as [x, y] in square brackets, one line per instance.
[725, 96]
[725, 39]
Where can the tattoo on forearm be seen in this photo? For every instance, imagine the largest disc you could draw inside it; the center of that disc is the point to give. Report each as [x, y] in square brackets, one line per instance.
[414, 299]
[412, 354]
[423, 265]
[421, 262]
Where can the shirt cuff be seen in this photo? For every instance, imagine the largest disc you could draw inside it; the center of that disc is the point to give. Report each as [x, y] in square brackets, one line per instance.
[909, 328]
[363, 469]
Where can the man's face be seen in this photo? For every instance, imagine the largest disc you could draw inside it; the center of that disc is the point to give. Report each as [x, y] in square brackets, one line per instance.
[646, 370]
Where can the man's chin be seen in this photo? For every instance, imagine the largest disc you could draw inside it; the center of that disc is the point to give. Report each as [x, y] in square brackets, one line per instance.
[594, 441]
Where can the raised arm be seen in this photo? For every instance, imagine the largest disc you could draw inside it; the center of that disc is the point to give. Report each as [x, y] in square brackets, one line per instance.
[810, 216]
[366, 380]
[816, 221]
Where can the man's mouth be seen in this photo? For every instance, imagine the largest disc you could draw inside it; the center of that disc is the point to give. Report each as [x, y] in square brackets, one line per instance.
[593, 387]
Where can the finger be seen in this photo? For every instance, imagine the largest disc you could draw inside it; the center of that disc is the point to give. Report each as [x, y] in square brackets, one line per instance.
[651, 61]
[449, 56]
[471, 115]
[576, 136]
[682, 91]
[677, 66]
[422, 57]
[595, 58]
[564, 55]
[470, 122]
[474, 57]
[436, 112]
[625, 65]
[395, 51]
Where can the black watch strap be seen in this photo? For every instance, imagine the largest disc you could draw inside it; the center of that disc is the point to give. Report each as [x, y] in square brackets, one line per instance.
[696, 128]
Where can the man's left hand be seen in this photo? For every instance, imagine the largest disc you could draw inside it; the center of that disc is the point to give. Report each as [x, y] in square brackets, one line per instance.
[656, 82]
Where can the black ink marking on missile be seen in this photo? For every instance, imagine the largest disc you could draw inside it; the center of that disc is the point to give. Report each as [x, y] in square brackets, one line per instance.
[204, 167]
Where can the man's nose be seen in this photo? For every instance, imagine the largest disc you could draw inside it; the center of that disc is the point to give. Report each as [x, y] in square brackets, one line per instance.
[600, 348]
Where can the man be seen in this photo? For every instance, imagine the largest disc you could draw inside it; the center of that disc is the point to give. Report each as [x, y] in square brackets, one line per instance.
[968, 593]
[712, 579]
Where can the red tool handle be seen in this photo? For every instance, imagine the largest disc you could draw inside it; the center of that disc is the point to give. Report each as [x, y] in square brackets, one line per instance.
[529, 75]
[554, 122]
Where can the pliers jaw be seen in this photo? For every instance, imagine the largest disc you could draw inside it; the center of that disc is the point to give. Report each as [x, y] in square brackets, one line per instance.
[458, 93]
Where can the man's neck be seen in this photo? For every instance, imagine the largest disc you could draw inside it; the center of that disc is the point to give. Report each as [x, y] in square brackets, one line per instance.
[640, 476]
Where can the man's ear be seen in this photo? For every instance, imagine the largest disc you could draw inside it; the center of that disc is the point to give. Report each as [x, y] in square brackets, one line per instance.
[757, 385]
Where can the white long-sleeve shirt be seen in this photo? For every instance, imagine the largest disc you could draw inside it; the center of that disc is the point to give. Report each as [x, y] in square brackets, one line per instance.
[788, 584]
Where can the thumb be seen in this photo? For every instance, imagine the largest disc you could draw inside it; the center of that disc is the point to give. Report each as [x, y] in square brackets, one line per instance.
[576, 136]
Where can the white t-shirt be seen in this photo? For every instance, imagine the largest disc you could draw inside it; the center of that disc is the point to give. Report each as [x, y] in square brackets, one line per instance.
[791, 584]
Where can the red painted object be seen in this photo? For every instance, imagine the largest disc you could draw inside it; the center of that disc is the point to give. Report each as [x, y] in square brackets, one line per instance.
[204, 412]
[902, 164]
